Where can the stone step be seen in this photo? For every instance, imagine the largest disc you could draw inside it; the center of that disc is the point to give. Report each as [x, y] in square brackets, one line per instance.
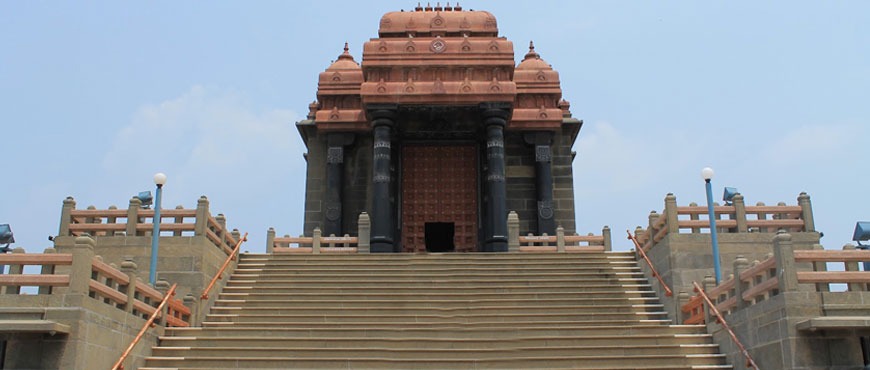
[433, 269]
[442, 323]
[455, 275]
[578, 284]
[321, 262]
[528, 293]
[456, 302]
[439, 257]
[426, 266]
[515, 361]
[480, 287]
[457, 353]
[435, 343]
[405, 310]
[437, 311]
[443, 331]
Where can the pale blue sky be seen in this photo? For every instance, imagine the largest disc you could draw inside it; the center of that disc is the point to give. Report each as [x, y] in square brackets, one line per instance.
[96, 97]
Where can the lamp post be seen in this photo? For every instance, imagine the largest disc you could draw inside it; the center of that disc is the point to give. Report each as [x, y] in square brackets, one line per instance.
[707, 175]
[159, 180]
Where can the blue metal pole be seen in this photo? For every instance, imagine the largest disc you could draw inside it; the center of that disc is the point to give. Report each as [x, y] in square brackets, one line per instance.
[713, 236]
[155, 237]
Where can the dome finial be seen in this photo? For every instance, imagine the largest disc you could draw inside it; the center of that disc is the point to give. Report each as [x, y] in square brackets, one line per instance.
[532, 54]
[346, 49]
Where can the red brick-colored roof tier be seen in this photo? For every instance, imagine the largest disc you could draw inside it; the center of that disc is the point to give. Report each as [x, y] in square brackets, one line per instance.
[439, 56]
[438, 21]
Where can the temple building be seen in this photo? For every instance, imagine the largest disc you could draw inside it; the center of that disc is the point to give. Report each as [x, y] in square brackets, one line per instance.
[437, 134]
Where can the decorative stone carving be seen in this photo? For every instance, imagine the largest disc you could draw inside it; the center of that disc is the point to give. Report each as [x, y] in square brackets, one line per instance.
[335, 155]
[333, 211]
[542, 153]
[545, 209]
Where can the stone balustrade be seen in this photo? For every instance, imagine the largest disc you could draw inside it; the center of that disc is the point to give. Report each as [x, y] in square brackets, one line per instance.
[734, 218]
[81, 272]
[139, 221]
[759, 281]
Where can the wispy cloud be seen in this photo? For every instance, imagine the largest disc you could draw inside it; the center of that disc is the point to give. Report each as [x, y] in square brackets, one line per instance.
[817, 143]
[212, 141]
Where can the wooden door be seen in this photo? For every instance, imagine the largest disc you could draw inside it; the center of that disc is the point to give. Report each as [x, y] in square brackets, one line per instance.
[439, 185]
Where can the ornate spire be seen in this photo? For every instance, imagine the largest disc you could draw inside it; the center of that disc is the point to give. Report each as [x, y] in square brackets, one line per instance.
[346, 53]
[532, 54]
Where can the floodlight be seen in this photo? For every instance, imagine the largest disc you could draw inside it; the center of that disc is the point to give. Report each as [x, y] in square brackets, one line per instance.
[146, 198]
[862, 231]
[729, 194]
[6, 237]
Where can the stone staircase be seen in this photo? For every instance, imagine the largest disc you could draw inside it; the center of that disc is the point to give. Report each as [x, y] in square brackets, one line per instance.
[437, 311]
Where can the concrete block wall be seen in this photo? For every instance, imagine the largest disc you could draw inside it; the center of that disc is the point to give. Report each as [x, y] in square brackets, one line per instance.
[768, 329]
[98, 335]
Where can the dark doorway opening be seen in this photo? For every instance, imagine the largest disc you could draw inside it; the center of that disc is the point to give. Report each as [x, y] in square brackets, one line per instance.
[439, 237]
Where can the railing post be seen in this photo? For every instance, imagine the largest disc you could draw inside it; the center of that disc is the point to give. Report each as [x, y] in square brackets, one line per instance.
[222, 233]
[201, 216]
[783, 252]
[761, 216]
[780, 216]
[639, 234]
[112, 219]
[853, 266]
[740, 212]
[682, 299]
[709, 284]
[178, 220]
[806, 212]
[47, 270]
[15, 270]
[717, 216]
[69, 204]
[82, 265]
[133, 215]
[315, 241]
[560, 239]
[270, 240]
[364, 233]
[671, 214]
[694, 217]
[653, 219]
[191, 303]
[820, 266]
[163, 287]
[608, 243]
[513, 224]
[130, 268]
[740, 264]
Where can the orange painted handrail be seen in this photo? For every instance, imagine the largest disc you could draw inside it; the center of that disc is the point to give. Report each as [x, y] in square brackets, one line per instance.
[220, 272]
[120, 364]
[655, 272]
[720, 319]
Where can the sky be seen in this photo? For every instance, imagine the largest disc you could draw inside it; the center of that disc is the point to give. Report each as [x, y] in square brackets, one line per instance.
[96, 97]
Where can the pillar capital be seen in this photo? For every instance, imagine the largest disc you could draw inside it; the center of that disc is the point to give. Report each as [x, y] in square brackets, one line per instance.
[382, 114]
[495, 113]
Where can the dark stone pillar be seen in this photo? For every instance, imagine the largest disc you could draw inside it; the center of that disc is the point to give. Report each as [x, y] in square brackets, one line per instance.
[334, 182]
[495, 116]
[383, 219]
[543, 180]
